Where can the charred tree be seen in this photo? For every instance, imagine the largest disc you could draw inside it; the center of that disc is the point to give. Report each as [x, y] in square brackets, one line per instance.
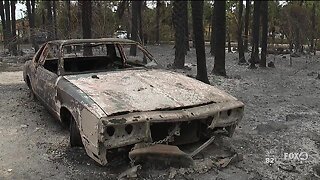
[220, 38]
[86, 12]
[246, 25]
[79, 20]
[140, 30]
[185, 14]
[68, 18]
[3, 21]
[134, 26]
[197, 22]
[121, 8]
[8, 25]
[255, 35]
[49, 23]
[229, 40]
[158, 9]
[13, 25]
[313, 24]
[212, 33]
[54, 9]
[43, 19]
[179, 28]
[31, 17]
[264, 37]
[242, 59]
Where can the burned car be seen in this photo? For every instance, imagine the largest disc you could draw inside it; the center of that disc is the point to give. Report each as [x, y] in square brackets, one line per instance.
[111, 95]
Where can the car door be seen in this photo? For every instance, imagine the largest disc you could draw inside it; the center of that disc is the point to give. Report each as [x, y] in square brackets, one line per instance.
[46, 76]
[32, 68]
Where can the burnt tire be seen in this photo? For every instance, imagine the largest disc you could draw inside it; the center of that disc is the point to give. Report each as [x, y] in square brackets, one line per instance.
[75, 137]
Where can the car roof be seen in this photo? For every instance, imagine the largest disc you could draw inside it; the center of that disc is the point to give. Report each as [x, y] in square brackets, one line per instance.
[100, 40]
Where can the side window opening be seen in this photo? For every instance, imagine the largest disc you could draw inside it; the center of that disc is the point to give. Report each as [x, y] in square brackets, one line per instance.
[51, 59]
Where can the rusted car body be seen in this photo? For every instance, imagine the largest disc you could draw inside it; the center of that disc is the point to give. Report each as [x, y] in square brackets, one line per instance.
[128, 105]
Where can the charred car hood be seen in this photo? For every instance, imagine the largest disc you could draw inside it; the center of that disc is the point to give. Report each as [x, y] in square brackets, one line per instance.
[124, 91]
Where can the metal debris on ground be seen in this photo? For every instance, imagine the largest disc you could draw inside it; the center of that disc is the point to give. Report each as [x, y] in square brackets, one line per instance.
[288, 167]
[222, 163]
[130, 173]
[161, 155]
[204, 145]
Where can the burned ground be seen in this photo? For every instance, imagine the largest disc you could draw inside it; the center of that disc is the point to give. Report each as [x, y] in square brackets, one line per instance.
[281, 117]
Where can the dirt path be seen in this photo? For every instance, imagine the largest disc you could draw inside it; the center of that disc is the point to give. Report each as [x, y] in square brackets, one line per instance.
[281, 117]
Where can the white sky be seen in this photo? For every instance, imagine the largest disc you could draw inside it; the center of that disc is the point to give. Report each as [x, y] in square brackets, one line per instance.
[19, 8]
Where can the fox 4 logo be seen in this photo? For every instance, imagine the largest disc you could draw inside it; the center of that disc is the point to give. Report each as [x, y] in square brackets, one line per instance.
[297, 156]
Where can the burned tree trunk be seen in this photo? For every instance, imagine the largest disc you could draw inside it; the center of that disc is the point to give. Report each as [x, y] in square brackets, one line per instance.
[8, 25]
[229, 40]
[68, 19]
[179, 27]
[185, 13]
[86, 24]
[220, 38]
[197, 22]
[246, 25]
[159, 5]
[313, 24]
[255, 35]
[212, 33]
[3, 21]
[54, 9]
[264, 38]
[31, 17]
[140, 30]
[242, 59]
[49, 23]
[134, 26]
[13, 24]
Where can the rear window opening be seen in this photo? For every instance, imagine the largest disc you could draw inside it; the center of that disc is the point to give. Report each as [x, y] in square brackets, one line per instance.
[93, 57]
[82, 64]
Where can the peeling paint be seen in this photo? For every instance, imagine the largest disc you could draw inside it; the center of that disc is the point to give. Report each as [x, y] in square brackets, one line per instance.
[132, 106]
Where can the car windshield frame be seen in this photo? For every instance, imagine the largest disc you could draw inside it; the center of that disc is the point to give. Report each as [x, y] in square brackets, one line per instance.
[62, 71]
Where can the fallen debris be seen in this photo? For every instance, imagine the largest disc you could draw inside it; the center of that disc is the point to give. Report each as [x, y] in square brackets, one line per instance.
[161, 155]
[222, 163]
[24, 125]
[295, 54]
[172, 173]
[271, 127]
[130, 173]
[288, 168]
[271, 64]
[199, 149]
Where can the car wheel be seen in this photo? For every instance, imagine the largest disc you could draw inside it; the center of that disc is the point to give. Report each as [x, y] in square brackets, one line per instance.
[75, 137]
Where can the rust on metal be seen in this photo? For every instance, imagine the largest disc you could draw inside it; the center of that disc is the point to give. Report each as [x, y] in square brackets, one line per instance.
[128, 105]
[160, 153]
